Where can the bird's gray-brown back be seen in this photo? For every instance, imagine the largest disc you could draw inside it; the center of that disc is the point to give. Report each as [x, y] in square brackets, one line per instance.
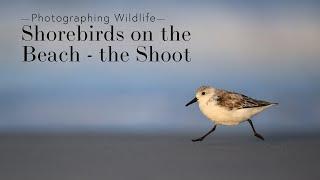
[233, 100]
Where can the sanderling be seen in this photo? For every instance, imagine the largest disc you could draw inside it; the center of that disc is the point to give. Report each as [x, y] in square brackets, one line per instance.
[227, 108]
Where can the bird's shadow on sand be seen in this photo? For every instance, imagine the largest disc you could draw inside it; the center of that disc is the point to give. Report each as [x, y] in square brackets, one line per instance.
[276, 142]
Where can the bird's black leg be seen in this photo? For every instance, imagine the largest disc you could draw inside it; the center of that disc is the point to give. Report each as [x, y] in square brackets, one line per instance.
[201, 138]
[255, 133]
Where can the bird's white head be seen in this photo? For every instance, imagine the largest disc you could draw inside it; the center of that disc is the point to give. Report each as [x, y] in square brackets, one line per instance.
[203, 94]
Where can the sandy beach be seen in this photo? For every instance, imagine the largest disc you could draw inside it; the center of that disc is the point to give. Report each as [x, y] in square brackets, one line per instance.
[132, 156]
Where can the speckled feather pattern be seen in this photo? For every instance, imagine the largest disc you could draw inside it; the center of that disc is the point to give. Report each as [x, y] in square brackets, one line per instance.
[232, 100]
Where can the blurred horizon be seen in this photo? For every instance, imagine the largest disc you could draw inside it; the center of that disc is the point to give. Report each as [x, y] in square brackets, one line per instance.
[267, 50]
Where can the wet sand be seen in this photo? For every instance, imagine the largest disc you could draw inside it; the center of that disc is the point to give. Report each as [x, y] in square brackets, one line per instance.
[164, 157]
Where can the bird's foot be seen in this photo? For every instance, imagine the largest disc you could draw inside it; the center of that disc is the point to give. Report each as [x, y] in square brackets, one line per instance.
[259, 136]
[198, 139]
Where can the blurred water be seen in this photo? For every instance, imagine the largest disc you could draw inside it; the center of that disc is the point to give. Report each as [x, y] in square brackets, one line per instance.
[266, 50]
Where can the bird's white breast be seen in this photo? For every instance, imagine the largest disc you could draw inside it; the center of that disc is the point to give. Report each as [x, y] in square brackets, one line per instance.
[224, 116]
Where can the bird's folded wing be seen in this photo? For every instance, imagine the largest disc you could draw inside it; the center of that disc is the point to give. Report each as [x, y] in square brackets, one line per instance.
[232, 100]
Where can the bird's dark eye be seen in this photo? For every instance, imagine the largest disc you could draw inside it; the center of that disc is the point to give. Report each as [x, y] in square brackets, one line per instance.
[203, 93]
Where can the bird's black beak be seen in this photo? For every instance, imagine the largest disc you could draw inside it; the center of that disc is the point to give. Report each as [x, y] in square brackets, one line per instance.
[192, 101]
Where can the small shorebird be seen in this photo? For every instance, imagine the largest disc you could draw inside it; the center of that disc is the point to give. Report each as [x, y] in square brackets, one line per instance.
[227, 108]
